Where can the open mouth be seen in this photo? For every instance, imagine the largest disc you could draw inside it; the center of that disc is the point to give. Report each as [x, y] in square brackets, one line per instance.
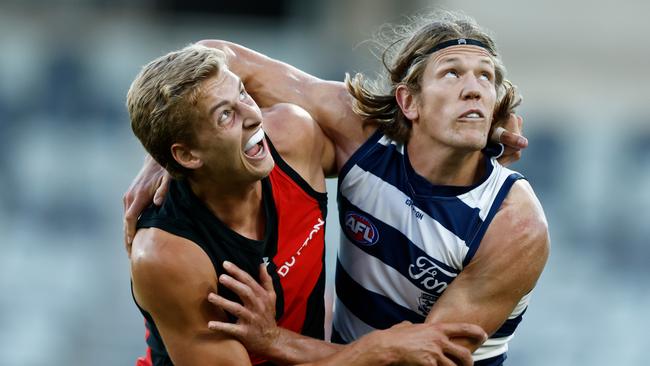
[255, 146]
[472, 114]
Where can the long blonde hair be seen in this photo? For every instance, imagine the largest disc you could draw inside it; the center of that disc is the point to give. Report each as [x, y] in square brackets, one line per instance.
[406, 66]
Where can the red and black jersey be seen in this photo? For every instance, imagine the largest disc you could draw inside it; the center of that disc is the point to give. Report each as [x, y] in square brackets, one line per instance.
[293, 246]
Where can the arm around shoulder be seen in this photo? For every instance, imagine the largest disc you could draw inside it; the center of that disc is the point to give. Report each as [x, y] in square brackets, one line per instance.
[171, 278]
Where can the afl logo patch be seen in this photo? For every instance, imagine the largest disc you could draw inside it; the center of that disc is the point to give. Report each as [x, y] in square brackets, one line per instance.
[360, 229]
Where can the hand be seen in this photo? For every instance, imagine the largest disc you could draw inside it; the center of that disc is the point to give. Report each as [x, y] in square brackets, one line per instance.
[255, 328]
[509, 133]
[152, 182]
[426, 344]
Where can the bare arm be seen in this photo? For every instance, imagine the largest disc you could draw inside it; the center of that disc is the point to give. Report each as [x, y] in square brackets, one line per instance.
[506, 266]
[171, 279]
[412, 344]
[271, 81]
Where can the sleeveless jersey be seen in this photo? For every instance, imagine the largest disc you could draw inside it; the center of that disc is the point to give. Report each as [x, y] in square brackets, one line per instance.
[404, 240]
[293, 247]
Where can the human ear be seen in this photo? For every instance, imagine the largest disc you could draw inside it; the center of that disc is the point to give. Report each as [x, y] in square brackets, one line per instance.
[407, 102]
[186, 157]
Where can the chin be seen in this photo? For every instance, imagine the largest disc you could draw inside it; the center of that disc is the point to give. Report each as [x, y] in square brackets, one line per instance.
[265, 168]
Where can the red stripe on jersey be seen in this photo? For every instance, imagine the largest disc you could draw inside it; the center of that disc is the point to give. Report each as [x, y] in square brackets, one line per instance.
[146, 360]
[301, 244]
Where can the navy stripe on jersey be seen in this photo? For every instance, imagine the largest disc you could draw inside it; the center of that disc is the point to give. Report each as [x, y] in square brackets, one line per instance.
[493, 361]
[496, 204]
[359, 153]
[372, 308]
[509, 326]
[399, 257]
[452, 213]
[336, 337]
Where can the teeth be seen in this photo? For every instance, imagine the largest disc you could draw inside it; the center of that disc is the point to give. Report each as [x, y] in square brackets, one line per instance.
[255, 139]
[473, 115]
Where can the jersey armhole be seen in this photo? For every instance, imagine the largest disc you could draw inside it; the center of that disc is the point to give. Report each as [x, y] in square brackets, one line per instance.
[475, 242]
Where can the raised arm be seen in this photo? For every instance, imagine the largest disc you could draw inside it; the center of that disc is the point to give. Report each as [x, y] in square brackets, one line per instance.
[171, 279]
[505, 268]
[271, 81]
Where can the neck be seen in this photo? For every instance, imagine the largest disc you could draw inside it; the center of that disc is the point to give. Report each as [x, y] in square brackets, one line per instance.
[445, 165]
[239, 206]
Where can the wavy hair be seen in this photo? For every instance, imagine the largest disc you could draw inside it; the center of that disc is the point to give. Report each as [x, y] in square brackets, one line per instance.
[404, 54]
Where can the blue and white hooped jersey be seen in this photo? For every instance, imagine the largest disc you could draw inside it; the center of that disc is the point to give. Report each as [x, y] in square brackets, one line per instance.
[404, 240]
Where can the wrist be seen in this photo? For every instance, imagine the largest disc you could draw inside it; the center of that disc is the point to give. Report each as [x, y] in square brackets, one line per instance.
[376, 349]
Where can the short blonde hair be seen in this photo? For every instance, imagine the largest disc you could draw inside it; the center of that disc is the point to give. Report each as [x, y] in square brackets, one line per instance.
[162, 101]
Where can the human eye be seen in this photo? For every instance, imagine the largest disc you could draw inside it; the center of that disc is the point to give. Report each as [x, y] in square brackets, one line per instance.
[242, 94]
[451, 74]
[486, 75]
[224, 115]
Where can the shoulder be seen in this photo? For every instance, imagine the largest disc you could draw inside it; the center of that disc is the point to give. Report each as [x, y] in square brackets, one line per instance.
[517, 242]
[300, 142]
[162, 264]
[523, 211]
[290, 127]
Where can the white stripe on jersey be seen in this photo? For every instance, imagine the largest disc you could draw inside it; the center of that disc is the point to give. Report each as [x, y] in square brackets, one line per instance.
[391, 284]
[384, 140]
[482, 196]
[491, 348]
[381, 199]
[521, 306]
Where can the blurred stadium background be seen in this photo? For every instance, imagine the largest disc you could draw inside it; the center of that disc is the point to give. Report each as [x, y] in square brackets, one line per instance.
[67, 154]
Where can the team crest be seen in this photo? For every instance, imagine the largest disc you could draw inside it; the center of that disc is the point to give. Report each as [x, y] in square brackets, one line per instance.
[425, 302]
[360, 229]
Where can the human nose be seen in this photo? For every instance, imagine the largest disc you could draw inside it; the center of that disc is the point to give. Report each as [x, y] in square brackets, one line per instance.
[251, 115]
[471, 88]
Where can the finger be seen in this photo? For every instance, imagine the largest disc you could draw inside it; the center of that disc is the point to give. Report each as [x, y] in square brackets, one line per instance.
[265, 278]
[245, 293]
[520, 123]
[512, 157]
[234, 308]
[130, 221]
[231, 329]
[460, 354]
[127, 242]
[496, 134]
[402, 324]
[445, 361]
[512, 139]
[126, 201]
[467, 330]
[243, 277]
[162, 189]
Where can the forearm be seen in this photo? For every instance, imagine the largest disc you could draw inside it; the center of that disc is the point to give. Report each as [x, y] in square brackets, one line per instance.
[374, 349]
[291, 348]
[270, 82]
[267, 80]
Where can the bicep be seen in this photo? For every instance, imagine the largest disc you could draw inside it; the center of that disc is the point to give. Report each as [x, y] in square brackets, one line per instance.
[505, 268]
[173, 288]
